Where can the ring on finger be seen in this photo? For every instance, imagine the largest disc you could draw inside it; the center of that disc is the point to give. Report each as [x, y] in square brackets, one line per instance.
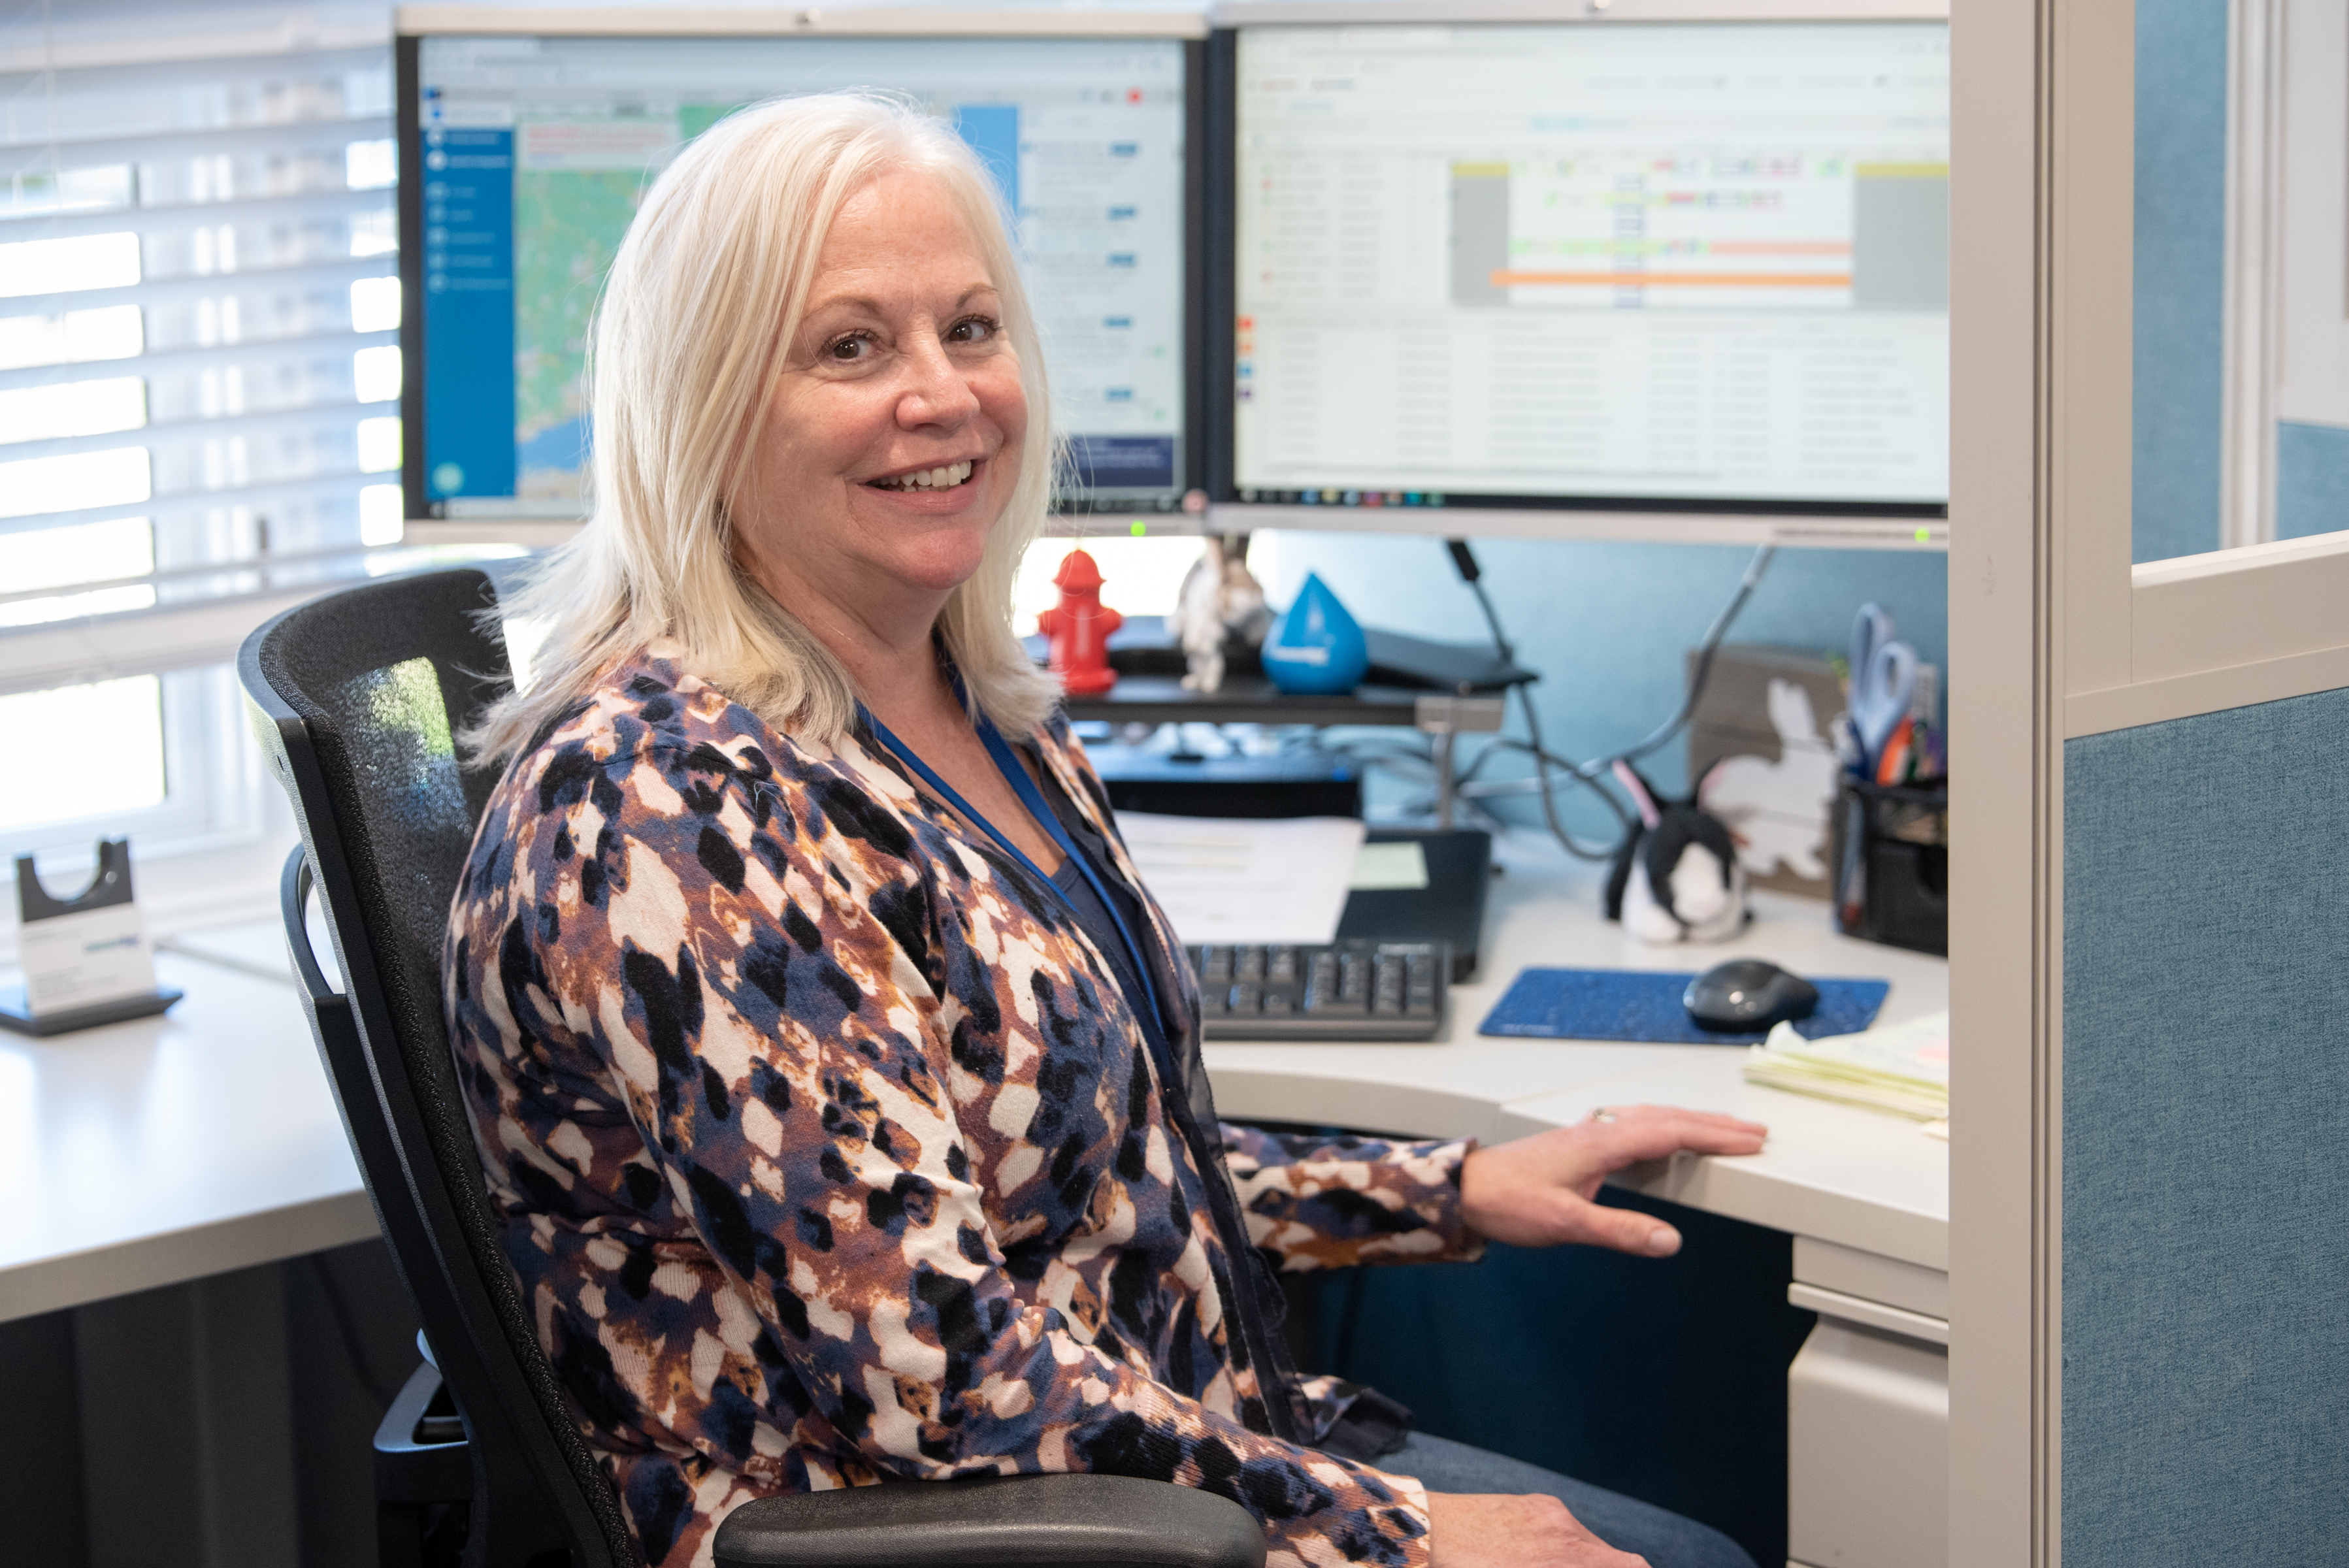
[1602, 1114]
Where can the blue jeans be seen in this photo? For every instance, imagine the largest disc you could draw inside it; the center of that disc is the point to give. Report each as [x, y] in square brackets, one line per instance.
[1665, 1540]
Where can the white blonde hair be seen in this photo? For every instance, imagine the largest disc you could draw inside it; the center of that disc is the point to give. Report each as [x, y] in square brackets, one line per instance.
[702, 304]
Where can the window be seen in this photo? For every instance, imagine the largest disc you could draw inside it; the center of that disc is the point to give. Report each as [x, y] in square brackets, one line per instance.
[199, 382]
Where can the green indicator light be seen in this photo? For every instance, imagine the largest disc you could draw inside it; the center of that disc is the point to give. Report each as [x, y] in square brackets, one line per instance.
[1924, 536]
[1137, 528]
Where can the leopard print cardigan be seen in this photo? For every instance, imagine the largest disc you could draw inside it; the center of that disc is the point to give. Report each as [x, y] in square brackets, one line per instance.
[827, 1152]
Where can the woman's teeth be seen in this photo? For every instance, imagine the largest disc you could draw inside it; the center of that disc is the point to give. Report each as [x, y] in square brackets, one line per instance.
[945, 478]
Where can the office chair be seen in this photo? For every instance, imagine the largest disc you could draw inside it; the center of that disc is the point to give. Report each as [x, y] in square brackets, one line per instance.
[355, 697]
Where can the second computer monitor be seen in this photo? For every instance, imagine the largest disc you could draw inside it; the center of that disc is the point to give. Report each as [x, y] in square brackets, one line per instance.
[1575, 265]
[528, 155]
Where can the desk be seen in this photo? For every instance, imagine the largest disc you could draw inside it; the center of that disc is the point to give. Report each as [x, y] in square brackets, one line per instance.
[1832, 1172]
[168, 1149]
[1866, 1196]
[181, 1150]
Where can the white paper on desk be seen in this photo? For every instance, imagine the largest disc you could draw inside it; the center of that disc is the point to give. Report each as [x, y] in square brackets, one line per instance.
[1900, 1067]
[1228, 878]
[1915, 1052]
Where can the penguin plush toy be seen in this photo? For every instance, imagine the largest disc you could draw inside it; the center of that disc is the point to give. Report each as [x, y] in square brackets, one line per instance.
[1676, 878]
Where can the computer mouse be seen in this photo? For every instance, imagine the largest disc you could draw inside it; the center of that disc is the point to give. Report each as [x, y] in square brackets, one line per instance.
[1748, 996]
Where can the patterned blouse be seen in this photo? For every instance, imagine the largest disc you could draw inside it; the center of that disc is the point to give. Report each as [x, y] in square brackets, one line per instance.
[828, 1151]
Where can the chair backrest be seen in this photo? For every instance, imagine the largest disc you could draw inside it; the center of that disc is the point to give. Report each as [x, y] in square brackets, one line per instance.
[358, 695]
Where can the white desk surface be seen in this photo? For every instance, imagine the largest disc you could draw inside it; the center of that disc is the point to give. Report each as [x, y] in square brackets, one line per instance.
[148, 1154]
[1855, 1176]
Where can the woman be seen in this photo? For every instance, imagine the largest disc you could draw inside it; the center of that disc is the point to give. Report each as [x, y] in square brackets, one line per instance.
[836, 1078]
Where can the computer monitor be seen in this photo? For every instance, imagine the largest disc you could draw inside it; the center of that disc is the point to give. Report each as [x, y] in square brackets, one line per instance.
[1630, 266]
[523, 159]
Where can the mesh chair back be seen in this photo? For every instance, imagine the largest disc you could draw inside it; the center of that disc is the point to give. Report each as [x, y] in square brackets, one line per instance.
[357, 696]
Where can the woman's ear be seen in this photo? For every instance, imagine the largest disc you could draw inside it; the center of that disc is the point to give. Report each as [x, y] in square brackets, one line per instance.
[1641, 796]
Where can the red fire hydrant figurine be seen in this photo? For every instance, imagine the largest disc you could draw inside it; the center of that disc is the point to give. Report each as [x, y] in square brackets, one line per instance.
[1080, 628]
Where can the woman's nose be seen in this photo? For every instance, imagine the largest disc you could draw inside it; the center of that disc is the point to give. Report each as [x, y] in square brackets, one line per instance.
[938, 391]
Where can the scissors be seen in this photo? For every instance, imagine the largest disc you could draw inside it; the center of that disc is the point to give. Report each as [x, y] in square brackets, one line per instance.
[1883, 683]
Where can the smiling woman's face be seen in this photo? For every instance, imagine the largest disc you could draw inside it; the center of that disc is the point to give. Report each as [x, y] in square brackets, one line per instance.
[895, 439]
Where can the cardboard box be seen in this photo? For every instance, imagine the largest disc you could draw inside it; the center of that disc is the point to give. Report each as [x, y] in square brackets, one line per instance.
[1765, 719]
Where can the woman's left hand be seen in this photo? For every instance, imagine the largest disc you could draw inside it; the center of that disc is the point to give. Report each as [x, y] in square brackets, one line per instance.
[1537, 1192]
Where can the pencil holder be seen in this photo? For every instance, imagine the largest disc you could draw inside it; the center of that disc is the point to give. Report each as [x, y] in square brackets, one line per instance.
[1889, 852]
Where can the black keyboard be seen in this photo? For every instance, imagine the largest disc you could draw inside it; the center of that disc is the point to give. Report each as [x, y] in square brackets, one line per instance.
[1346, 991]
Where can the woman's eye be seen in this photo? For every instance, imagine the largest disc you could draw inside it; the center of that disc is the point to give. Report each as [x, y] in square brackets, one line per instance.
[850, 349]
[973, 330]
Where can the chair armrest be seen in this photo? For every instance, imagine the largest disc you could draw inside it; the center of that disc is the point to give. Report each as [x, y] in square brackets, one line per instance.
[1041, 1521]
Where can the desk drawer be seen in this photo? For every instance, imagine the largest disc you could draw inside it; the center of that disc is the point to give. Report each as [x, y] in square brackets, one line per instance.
[1871, 1277]
[1867, 1436]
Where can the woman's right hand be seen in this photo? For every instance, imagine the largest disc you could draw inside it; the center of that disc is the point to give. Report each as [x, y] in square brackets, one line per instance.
[1492, 1530]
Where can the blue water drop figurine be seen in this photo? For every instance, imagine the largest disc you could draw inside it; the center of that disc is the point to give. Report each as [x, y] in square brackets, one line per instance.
[1317, 648]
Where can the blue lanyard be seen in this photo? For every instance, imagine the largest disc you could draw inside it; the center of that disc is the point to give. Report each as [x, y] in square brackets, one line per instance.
[1033, 799]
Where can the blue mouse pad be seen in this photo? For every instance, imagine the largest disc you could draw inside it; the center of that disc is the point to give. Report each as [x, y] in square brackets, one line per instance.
[1640, 1005]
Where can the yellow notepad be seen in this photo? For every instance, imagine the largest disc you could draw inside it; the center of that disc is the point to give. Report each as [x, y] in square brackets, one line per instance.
[1903, 1068]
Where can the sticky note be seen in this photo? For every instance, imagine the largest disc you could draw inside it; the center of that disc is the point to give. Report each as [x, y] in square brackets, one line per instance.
[1380, 868]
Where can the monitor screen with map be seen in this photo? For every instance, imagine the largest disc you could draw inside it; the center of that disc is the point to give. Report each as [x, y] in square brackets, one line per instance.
[1692, 265]
[523, 160]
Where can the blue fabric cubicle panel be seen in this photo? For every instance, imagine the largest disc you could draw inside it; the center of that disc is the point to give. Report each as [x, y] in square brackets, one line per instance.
[2179, 270]
[2206, 1140]
[1662, 1378]
[2312, 480]
[1610, 626]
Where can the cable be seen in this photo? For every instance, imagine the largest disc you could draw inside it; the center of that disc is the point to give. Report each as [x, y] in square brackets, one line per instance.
[1706, 650]
[1542, 760]
[1463, 561]
[1588, 773]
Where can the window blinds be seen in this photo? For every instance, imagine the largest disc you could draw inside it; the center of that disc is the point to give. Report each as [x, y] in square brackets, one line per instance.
[199, 358]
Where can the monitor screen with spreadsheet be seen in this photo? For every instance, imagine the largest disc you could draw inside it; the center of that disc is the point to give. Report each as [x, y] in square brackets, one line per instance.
[525, 158]
[1637, 265]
